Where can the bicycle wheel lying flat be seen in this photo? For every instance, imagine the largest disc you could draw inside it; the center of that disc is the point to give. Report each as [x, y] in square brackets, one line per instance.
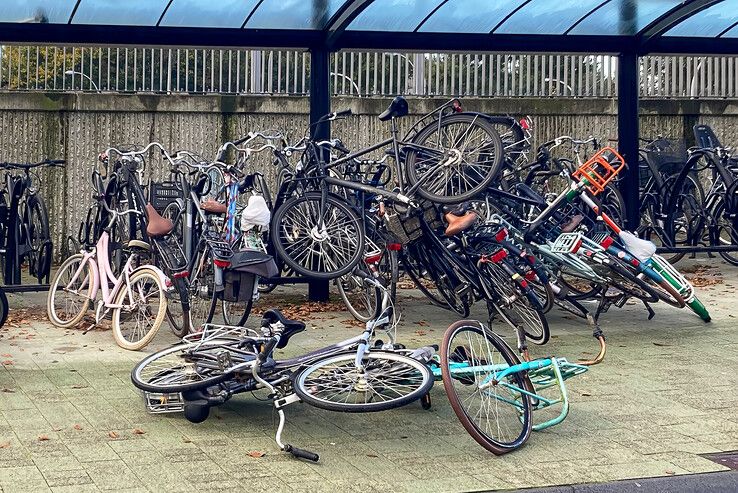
[386, 380]
[322, 244]
[464, 154]
[183, 367]
[490, 407]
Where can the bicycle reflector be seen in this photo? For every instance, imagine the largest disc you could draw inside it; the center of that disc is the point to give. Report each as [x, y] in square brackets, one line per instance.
[501, 235]
[373, 259]
[600, 170]
[221, 263]
[394, 247]
[498, 255]
[524, 124]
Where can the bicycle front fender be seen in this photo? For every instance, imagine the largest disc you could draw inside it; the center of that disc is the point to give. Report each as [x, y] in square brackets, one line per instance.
[165, 281]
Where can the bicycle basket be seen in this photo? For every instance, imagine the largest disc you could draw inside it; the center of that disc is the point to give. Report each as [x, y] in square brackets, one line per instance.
[163, 194]
[408, 229]
[600, 169]
[668, 156]
[157, 403]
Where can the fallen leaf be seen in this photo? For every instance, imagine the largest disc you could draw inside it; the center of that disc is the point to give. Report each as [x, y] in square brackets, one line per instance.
[113, 434]
[57, 429]
[256, 454]
[79, 386]
[42, 438]
[586, 394]
[421, 332]
[6, 355]
[186, 440]
[372, 455]
[5, 445]
[138, 431]
[669, 472]
[7, 362]
[661, 344]
[77, 427]
[9, 391]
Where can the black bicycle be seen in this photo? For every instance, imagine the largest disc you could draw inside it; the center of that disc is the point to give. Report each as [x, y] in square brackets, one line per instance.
[24, 224]
[447, 157]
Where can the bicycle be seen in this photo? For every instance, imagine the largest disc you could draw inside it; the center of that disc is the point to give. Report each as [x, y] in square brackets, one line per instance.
[318, 234]
[24, 224]
[136, 299]
[4, 307]
[353, 375]
[493, 393]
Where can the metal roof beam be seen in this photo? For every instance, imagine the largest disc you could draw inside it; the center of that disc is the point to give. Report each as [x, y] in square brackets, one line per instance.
[337, 24]
[673, 17]
[483, 42]
[158, 36]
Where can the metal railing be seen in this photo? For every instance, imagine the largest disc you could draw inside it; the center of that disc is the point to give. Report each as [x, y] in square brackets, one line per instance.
[231, 71]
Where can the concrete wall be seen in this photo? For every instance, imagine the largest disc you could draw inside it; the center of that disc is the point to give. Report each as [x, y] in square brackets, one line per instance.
[77, 127]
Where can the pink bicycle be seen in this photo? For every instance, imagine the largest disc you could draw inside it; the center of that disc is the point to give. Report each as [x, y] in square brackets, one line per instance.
[136, 300]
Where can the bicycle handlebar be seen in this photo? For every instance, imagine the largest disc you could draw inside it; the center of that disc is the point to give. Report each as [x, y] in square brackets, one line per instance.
[45, 162]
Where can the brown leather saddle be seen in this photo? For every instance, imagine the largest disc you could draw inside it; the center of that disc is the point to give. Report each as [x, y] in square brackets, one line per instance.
[457, 224]
[157, 226]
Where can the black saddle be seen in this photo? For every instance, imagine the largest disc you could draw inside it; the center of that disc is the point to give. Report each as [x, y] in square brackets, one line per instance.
[291, 327]
[397, 108]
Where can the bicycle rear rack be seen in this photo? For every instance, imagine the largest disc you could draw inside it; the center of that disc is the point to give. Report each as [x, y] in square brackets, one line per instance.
[157, 403]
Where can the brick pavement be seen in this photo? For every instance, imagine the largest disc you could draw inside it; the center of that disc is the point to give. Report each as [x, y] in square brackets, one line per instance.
[668, 391]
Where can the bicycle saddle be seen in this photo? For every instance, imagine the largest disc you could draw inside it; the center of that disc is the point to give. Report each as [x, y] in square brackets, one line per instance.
[157, 225]
[457, 224]
[291, 327]
[397, 108]
[526, 192]
[572, 224]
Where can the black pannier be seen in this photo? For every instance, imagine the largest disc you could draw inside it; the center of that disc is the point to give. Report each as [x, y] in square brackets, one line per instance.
[241, 275]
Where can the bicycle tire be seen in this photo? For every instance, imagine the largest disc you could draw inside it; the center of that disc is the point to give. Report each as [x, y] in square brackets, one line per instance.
[414, 269]
[201, 286]
[54, 289]
[382, 369]
[518, 415]
[40, 256]
[525, 306]
[119, 301]
[484, 172]
[718, 236]
[179, 303]
[232, 315]
[163, 372]
[4, 307]
[293, 241]
[362, 300]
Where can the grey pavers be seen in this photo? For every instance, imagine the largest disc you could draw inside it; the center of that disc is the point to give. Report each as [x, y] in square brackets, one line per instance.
[667, 392]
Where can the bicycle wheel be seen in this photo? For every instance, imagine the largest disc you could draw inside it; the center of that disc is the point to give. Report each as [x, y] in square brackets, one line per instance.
[141, 306]
[623, 277]
[415, 269]
[182, 367]
[491, 407]
[236, 312]
[724, 232]
[516, 302]
[67, 301]
[466, 157]
[39, 258]
[321, 244]
[384, 381]
[202, 288]
[4, 307]
[362, 300]
[178, 308]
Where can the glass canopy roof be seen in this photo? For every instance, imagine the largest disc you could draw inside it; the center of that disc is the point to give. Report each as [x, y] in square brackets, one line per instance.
[570, 18]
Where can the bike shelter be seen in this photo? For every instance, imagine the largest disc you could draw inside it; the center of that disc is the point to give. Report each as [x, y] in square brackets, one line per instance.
[628, 28]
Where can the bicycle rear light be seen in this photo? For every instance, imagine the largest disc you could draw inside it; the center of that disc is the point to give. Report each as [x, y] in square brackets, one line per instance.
[501, 235]
[394, 247]
[373, 259]
[222, 263]
[499, 255]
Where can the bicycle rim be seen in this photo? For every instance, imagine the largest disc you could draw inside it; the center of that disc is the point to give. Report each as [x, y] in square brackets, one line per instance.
[143, 306]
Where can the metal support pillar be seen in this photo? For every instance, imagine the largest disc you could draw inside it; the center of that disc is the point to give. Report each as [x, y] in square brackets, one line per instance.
[628, 131]
[320, 104]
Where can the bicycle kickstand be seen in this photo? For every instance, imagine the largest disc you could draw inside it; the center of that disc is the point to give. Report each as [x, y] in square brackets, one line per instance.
[651, 313]
[600, 336]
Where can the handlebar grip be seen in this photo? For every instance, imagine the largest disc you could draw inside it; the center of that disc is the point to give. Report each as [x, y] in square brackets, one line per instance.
[346, 112]
[241, 141]
[300, 453]
[340, 147]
